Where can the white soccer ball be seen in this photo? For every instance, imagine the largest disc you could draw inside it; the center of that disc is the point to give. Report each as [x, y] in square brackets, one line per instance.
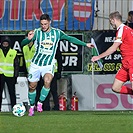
[19, 110]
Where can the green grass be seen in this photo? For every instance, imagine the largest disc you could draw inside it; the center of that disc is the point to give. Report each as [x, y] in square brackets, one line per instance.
[68, 122]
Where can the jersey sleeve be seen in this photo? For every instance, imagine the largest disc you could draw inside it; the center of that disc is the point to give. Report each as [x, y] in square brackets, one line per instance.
[25, 42]
[71, 39]
[119, 35]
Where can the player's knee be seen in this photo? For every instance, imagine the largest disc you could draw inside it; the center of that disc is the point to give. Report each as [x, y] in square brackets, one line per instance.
[47, 80]
[47, 83]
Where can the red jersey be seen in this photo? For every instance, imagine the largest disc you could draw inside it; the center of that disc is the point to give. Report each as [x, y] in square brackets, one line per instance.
[124, 35]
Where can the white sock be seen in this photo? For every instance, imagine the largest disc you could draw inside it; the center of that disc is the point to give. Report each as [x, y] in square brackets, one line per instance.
[39, 102]
[32, 106]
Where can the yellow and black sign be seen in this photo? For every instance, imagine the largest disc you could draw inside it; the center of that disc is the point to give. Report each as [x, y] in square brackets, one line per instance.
[111, 63]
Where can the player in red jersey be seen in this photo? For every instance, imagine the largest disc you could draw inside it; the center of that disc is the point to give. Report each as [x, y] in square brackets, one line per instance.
[124, 41]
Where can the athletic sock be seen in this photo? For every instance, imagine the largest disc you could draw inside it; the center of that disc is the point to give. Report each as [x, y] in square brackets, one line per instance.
[39, 102]
[126, 90]
[32, 96]
[32, 106]
[43, 94]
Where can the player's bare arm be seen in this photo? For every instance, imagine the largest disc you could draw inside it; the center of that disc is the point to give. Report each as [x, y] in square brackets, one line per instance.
[109, 51]
[89, 45]
[28, 39]
[30, 35]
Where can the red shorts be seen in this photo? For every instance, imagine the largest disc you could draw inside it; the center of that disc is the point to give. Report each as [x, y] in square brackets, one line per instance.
[126, 71]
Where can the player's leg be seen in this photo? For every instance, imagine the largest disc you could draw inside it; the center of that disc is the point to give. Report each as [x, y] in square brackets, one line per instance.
[32, 93]
[33, 77]
[121, 77]
[32, 96]
[47, 74]
[126, 74]
[116, 87]
[11, 88]
[45, 90]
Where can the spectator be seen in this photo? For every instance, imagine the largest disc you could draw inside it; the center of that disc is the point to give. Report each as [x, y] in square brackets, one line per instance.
[9, 69]
[28, 51]
[129, 21]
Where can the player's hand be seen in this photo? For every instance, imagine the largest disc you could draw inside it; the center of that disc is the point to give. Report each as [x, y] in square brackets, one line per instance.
[89, 45]
[95, 58]
[30, 35]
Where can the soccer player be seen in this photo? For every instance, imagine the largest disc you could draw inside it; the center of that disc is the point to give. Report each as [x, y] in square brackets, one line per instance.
[124, 41]
[46, 40]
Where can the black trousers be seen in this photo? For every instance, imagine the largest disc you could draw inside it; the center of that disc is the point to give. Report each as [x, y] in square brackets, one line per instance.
[54, 93]
[10, 81]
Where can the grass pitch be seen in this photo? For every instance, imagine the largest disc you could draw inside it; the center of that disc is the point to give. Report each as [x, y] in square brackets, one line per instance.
[68, 122]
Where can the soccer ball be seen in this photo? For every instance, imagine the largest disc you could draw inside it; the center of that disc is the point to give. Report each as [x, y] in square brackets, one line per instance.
[19, 110]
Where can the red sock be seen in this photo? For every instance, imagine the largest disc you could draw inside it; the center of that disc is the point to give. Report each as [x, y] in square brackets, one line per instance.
[126, 90]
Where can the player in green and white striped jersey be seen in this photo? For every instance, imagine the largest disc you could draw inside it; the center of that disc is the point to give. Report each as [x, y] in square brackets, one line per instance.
[46, 41]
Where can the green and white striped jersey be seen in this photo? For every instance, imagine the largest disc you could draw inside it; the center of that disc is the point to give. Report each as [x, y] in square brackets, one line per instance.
[46, 44]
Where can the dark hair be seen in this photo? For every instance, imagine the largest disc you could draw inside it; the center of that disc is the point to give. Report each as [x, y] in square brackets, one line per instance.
[45, 17]
[130, 13]
[115, 15]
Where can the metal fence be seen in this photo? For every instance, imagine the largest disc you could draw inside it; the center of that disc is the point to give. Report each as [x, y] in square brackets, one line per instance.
[104, 7]
[18, 15]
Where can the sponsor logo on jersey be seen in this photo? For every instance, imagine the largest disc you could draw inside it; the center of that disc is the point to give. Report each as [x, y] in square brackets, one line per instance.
[47, 43]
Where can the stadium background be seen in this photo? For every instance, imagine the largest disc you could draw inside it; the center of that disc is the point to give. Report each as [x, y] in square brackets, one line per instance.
[84, 19]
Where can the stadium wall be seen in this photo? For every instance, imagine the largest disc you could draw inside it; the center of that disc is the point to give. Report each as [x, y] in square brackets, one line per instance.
[99, 97]
[95, 93]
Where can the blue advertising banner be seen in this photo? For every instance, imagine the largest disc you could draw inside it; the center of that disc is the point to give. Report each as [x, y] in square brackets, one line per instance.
[66, 15]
